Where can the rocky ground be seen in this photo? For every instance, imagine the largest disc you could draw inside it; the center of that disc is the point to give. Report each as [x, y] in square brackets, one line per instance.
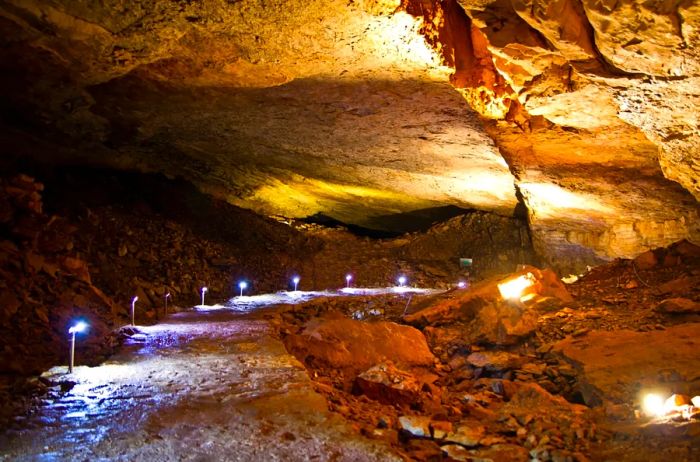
[558, 377]
[457, 375]
[200, 386]
[81, 243]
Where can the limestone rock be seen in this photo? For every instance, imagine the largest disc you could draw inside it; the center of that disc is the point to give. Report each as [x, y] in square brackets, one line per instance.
[678, 306]
[496, 360]
[646, 260]
[357, 345]
[502, 324]
[612, 365]
[389, 385]
[466, 435]
[418, 426]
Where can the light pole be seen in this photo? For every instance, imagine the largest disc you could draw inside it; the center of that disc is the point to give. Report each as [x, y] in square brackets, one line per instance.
[242, 285]
[348, 278]
[79, 327]
[402, 281]
[296, 282]
[133, 303]
[167, 296]
[204, 291]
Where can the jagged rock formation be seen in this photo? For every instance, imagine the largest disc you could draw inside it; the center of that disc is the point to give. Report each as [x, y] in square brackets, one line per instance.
[584, 111]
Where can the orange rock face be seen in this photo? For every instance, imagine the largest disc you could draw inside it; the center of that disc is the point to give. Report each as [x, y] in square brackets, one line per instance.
[355, 345]
[615, 365]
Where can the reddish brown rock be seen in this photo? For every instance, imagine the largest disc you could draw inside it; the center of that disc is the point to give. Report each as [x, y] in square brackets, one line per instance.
[646, 260]
[387, 384]
[467, 434]
[679, 286]
[678, 306]
[686, 249]
[465, 305]
[496, 360]
[348, 344]
[614, 365]
[503, 324]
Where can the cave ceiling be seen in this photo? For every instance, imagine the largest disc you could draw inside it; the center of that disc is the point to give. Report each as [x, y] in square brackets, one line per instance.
[585, 111]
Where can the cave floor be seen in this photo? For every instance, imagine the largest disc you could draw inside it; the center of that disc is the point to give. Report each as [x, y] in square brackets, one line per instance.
[217, 383]
[203, 385]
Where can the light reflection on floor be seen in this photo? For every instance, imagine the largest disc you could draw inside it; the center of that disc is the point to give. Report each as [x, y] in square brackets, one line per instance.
[249, 302]
[209, 363]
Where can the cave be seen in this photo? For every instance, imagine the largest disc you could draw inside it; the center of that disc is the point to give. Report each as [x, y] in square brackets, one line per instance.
[350, 230]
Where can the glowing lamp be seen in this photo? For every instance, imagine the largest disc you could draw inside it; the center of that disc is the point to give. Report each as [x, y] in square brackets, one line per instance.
[167, 296]
[133, 304]
[401, 281]
[653, 405]
[461, 284]
[242, 285]
[515, 287]
[79, 327]
[296, 280]
[348, 278]
[204, 291]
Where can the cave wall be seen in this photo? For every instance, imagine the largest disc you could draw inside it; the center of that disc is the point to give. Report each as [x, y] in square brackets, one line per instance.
[591, 104]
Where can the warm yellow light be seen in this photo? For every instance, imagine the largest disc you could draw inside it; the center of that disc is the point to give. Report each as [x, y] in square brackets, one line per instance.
[653, 405]
[514, 288]
[551, 199]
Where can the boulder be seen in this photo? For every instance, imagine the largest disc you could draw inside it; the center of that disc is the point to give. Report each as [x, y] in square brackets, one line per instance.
[646, 260]
[686, 249]
[467, 435]
[389, 385]
[678, 306]
[356, 345]
[415, 425]
[613, 366]
[481, 315]
[496, 360]
[502, 324]
[466, 305]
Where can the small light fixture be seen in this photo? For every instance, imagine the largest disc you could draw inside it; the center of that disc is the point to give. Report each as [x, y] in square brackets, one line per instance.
[133, 304]
[79, 327]
[204, 291]
[348, 278]
[514, 288]
[167, 296]
[653, 405]
[242, 285]
[462, 284]
[401, 280]
[296, 280]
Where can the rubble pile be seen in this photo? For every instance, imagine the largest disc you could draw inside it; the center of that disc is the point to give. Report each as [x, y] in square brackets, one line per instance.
[553, 374]
[45, 285]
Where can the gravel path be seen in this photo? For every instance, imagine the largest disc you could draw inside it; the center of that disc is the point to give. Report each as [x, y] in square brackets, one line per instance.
[201, 386]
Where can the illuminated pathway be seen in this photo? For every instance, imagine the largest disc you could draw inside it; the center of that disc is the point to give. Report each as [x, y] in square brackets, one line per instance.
[204, 385]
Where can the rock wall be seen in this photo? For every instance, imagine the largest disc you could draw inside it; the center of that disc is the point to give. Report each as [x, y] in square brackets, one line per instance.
[45, 286]
[591, 105]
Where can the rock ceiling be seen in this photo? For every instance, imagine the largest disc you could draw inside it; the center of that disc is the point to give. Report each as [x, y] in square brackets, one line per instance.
[586, 111]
